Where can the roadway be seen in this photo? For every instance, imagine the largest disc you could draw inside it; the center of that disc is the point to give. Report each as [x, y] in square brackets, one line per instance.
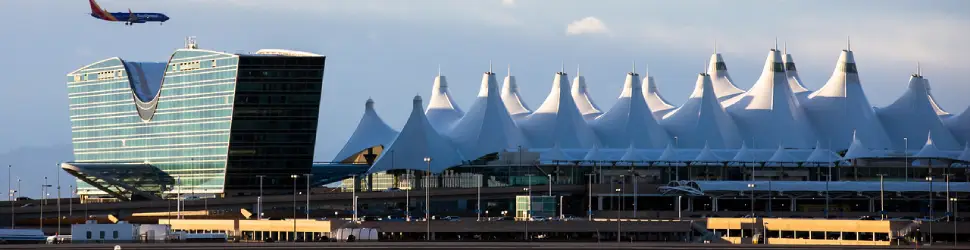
[450, 245]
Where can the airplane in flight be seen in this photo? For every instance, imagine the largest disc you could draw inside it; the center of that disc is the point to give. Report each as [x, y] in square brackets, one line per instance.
[129, 18]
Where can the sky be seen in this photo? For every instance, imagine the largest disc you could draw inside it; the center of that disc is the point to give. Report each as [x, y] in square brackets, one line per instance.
[391, 50]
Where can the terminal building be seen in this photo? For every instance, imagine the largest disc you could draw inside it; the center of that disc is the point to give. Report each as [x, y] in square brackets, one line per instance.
[203, 122]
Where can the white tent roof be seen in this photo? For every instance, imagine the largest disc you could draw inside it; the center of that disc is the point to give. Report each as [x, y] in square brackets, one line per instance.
[416, 141]
[631, 154]
[724, 87]
[581, 97]
[371, 131]
[670, 154]
[781, 156]
[658, 105]
[558, 120]
[486, 127]
[959, 125]
[794, 81]
[744, 154]
[857, 149]
[629, 121]
[912, 115]
[930, 150]
[822, 155]
[442, 110]
[965, 155]
[769, 114]
[702, 119]
[706, 155]
[936, 106]
[841, 107]
[594, 154]
[510, 96]
[553, 154]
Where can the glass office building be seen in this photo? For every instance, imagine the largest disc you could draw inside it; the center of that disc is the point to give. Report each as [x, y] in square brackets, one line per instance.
[205, 122]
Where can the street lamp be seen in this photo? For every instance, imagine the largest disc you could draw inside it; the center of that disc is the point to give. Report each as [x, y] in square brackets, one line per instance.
[589, 195]
[948, 210]
[294, 177]
[259, 199]
[407, 192]
[954, 201]
[906, 157]
[882, 198]
[43, 200]
[751, 186]
[478, 207]
[930, 180]
[618, 190]
[427, 197]
[307, 209]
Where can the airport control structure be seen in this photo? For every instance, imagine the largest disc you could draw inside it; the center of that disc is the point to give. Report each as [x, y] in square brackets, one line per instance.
[225, 124]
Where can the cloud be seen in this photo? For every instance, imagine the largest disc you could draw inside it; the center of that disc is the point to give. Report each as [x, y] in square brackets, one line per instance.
[508, 3]
[587, 25]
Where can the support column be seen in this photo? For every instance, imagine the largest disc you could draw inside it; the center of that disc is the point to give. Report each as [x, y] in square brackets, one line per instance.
[599, 203]
[794, 204]
[872, 205]
[714, 200]
[690, 204]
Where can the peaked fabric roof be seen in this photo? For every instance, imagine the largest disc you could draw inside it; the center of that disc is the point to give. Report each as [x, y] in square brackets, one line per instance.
[593, 154]
[702, 119]
[558, 120]
[416, 141]
[781, 156]
[936, 107]
[553, 154]
[442, 110]
[841, 107]
[581, 97]
[744, 154]
[771, 99]
[912, 115]
[658, 105]
[822, 155]
[857, 149]
[510, 96]
[797, 87]
[669, 154]
[706, 155]
[930, 150]
[486, 127]
[629, 121]
[724, 87]
[631, 155]
[371, 131]
[959, 125]
[965, 155]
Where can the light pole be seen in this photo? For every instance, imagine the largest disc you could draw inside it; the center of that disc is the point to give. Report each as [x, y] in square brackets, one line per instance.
[294, 177]
[427, 197]
[954, 202]
[11, 196]
[259, 199]
[478, 206]
[589, 195]
[58, 202]
[407, 192]
[752, 186]
[307, 195]
[43, 200]
[906, 157]
[828, 178]
[618, 190]
[930, 180]
[882, 198]
[528, 211]
[948, 210]
[549, 179]
[353, 196]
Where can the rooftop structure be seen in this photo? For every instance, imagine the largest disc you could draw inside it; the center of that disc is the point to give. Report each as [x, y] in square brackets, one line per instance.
[701, 120]
[913, 115]
[442, 110]
[629, 121]
[581, 97]
[658, 105]
[510, 96]
[371, 132]
[487, 127]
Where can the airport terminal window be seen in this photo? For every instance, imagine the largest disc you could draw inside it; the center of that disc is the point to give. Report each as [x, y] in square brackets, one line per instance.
[787, 234]
[833, 235]
[88, 233]
[849, 236]
[801, 234]
[773, 234]
[746, 233]
[114, 234]
[102, 235]
[882, 236]
[817, 235]
[865, 236]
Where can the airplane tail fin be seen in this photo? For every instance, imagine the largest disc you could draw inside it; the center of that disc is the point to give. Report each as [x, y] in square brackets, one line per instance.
[95, 8]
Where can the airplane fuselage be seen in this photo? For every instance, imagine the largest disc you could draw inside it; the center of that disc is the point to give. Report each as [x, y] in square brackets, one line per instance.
[127, 17]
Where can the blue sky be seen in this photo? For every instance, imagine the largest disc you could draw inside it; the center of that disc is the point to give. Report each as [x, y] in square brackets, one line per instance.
[390, 50]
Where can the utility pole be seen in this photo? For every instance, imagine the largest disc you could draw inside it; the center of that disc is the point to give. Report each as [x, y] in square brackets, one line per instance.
[294, 206]
[589, 195]
[11, 196]
[882, 197]
[58, 202]
[259, 199]
[307, 195]
[427, 197]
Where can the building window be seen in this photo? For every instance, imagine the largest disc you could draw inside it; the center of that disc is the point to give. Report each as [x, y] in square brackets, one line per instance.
[102, 235]
[89, 234]
[115, 234]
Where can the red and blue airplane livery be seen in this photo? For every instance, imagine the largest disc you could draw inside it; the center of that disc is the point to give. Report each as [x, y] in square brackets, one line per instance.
[129, 18]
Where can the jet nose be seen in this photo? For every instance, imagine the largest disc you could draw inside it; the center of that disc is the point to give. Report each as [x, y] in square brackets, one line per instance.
[164, 18]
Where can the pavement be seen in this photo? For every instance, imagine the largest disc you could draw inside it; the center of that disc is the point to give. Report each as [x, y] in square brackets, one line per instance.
[446, 245]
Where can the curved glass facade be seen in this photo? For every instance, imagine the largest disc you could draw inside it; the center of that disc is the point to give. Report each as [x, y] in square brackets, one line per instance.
[179, 115]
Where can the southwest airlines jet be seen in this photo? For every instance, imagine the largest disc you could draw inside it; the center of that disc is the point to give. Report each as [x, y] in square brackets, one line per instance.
[129, 18]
